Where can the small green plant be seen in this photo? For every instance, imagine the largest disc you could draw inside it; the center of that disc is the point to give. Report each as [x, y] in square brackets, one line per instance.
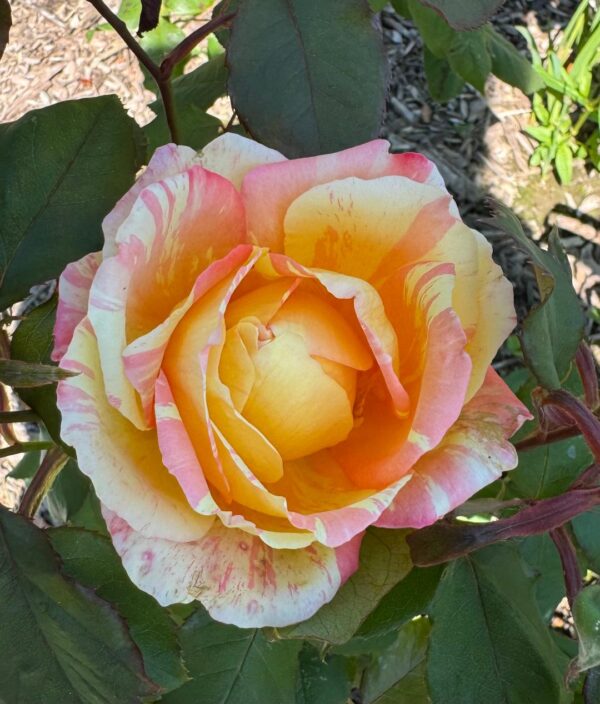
[566, 110]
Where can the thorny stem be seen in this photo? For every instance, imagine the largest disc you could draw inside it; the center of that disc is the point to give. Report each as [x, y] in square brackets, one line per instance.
[19, 447]
[161, 74]
[538, 439]
[584, 419]
[568, 559]
[52, 463]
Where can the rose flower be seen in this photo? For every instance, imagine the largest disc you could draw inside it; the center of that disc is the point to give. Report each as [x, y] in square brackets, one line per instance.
[273, 355]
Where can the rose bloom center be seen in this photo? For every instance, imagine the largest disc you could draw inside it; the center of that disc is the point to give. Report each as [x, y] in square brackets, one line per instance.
[290, 360]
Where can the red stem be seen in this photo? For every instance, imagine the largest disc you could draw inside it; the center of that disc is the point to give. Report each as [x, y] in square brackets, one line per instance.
[581, 415]
[568, 558]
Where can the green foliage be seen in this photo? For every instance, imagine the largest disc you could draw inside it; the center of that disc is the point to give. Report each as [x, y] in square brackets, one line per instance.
[91, 560]
[323, 679]
[193, 94]
[334, 74]
[487, 635]
[69, 162]
[59, 641]
[27, 375]
[586, 614]
[565, 109]
[32, 342]
[465, 14]
[452, 57]
[223, 660]
[539, 552]
[587, 529]
[5, 24]
[553, 329]
[384, 561]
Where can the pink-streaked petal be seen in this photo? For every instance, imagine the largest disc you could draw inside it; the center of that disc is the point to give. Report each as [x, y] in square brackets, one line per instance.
[473, 454]
[143, 357]
[73, 296]
[175, 229]
[123, 463]
[236, 577]
[233, 156]
[268, 191]
[433, 367]
[166, 161]
[366, 229]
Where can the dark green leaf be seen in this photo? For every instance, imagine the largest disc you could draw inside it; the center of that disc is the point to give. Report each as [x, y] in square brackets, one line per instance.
[510, 65]
[193, 94]
[323, 680]
[63, 169]
[398, 675]
[72, 500]
[5, 24]
[591, 688]
[485, 614]
[539, 552]
[384, 561]
[231, 665]
[60, 643]
[27, 467]
[91, 559]
[377, 5]
[553, 329]
[586, 614]
[436, 33]
[224, 7]
[442, 82]
[409, 598]
[27, 375]
[469, 57]
[587, 529]
[465, 14]
[307, 77]
[32, 342]
[549, 470]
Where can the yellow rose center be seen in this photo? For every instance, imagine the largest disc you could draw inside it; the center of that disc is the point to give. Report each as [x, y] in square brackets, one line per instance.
[290, 360]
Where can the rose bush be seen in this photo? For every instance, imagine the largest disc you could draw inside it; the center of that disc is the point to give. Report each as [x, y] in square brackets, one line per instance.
[273, 355]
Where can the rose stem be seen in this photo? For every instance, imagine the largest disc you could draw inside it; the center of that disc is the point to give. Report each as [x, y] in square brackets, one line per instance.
[568, 558]
[20, 447]
[18, 417]
[52, 463]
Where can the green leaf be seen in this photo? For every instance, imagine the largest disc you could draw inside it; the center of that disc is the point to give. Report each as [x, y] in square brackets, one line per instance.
[398, 675]
[73, 501]
[63, 169]
[510, 65]
[465, 14]
[540, 133]
[587, 529]
[28, 466]
[91, 559]
[468, 56]
[384, 561]
[540, 553]
[193, 94]
[32, 342]
[442, 82]
[564, 164]
[5, 24]
[553, 329]
[409, 598]
[323, 680]
[591, 688]
[586, 614]
[377, 5]
[436, 33]
[549, 470]
[307, 77]
[485, 613]
[60, 643]
[231, 665]
[26, 375]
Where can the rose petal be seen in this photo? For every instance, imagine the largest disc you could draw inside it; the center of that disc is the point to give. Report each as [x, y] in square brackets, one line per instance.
[123, 463]
[174, 230]
[236, 577]
[473, 454]
[269, 190]
[232, 156]
[73, 296]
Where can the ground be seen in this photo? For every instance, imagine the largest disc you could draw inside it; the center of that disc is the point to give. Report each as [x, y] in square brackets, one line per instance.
[477, 141]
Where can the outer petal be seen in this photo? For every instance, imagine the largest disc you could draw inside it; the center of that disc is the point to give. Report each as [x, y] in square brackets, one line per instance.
[235, 576]
[166, 161]
[268, 191]
[232, 156]
[366, 229]
[123, 463]
[473, 454]
[73, 296]
[175, 229]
